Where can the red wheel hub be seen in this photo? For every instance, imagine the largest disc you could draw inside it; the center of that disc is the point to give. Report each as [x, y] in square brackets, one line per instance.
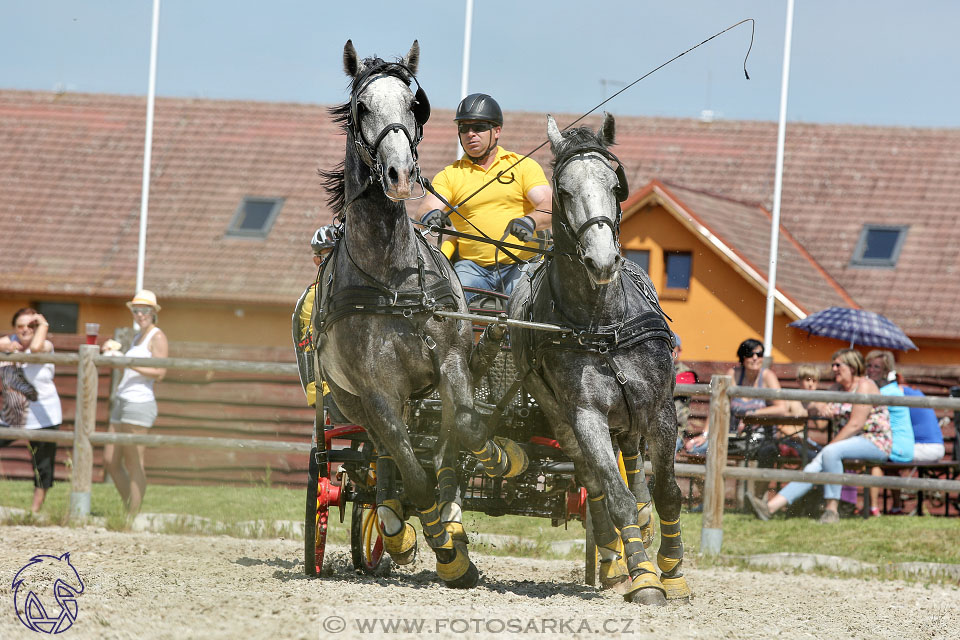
[327, 495]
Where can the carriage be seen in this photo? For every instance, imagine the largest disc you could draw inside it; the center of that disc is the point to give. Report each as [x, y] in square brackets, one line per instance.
[343, 464]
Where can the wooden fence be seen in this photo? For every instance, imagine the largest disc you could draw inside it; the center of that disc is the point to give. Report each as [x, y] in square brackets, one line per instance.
[716, 471]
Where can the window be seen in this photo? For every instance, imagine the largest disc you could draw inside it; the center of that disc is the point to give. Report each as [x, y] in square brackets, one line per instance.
[62, 316]
[254, 217]
[879, 246]
[641, 257]
[678, 267]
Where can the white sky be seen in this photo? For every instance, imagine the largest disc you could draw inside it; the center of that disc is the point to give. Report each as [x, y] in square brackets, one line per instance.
[853, 61]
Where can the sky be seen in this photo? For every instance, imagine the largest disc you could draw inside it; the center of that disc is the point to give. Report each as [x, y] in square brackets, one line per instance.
[877, 62]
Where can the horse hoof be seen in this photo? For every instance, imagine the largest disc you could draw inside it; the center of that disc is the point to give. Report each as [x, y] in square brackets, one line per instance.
[677, 589]
[649, 596]
[467, 581]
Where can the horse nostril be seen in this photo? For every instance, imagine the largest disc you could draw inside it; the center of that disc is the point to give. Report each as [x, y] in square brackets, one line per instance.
[617, 259]
[590, 263]
[393, 175]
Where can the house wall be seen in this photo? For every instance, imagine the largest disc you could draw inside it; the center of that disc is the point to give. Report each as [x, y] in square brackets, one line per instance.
[722, 307]
[229, 324]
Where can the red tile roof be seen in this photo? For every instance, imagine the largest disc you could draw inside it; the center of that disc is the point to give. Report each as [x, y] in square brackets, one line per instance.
[70, 172]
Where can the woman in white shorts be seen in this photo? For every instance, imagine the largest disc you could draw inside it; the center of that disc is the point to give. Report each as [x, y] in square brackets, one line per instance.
[135, 409]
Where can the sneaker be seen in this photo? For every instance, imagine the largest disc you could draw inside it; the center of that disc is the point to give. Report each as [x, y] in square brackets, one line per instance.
[760, 507]
[830, 517]
[874, 512]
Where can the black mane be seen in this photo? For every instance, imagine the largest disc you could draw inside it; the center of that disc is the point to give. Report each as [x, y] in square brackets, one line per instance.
[576, 141]
[342, 115]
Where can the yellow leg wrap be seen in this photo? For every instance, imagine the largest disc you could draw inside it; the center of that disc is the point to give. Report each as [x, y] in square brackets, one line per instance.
[667, 564]
[517, 459]
[615, 570]
[456, 531]
[676, 588]
[454, 569]
[401, 545]
[646, 580]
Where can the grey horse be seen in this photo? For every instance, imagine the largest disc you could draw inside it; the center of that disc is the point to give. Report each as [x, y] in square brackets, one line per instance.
[378, 341]
[609, 384]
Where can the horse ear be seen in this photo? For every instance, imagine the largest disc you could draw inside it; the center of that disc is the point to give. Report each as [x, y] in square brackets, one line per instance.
[351, 64]
[608, 130]
[553, 132]
[412, 61]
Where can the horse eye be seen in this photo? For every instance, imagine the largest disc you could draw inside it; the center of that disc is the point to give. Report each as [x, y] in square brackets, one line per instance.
[361, 108]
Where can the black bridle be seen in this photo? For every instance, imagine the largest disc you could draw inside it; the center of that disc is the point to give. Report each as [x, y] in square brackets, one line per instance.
[621, 192]
[420, 108]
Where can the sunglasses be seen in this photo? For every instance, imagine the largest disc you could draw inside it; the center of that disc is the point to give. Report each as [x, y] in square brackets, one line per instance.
[478, 127]
[142, 310]
[756, 354]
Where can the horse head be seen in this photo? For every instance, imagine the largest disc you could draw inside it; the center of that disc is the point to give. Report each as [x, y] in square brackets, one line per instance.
[587, 194]
[386, 117]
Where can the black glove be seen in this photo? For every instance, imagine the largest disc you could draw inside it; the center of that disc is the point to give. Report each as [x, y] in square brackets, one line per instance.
[522, 228]
[435, 218]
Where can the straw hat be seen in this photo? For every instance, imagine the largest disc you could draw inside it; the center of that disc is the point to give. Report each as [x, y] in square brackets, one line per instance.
[144, 298]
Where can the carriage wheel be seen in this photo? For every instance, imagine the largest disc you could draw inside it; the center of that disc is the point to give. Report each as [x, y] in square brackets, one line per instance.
[366, 543]
[320, 495]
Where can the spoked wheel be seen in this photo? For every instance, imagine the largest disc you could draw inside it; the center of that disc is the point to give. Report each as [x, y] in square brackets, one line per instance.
[366, 542]
[320, 495]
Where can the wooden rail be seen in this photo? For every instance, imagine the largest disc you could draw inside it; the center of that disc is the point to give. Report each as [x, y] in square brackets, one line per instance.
[720, 390]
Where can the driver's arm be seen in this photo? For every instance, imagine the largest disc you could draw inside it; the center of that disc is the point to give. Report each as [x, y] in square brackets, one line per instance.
[541, 196]
[429, 203]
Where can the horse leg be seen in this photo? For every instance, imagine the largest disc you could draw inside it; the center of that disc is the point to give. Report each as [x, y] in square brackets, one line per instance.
[593, 437]
[630, 447]
[453, 565]
[501, 457]
[448, 485]
[668, 497]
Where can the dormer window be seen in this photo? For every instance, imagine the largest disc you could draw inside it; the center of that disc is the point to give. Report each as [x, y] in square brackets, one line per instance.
[254, 217]
[879, 246]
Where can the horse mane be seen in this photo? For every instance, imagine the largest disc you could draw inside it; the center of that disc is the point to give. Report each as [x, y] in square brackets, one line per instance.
[576, 141]
[342, 115]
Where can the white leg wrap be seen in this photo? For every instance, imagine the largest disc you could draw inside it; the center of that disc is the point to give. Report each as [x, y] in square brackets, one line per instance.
[451, 512]
[607, 554]
[391, 522]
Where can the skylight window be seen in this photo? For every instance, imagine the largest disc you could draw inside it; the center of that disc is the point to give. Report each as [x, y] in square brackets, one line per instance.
[254, 217]
[879, 246]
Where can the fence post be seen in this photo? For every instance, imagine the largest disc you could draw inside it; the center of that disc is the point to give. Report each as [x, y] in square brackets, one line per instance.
[714, 487]
[84, 424]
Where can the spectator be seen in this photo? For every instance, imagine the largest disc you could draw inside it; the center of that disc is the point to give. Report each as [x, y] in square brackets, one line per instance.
[45, 412]
[880, 369]
[751, 373]
[864, 434]
[135, 409]
[809, 377]
[516, 202]
[928, 441]
[684, 375]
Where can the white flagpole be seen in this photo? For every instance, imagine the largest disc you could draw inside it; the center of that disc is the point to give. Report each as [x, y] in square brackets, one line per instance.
[465, 70]
[777, 191]
[148, 145]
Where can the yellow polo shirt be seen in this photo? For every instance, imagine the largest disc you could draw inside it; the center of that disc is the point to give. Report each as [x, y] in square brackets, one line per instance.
[306, 328]
[495, 206]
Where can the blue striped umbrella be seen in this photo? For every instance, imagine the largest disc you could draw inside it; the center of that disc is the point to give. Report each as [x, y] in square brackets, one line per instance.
[856, 326]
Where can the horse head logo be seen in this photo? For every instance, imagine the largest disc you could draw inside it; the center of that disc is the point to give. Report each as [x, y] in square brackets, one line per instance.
[41, 582]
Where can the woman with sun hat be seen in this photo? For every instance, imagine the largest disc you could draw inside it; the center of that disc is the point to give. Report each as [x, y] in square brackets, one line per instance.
[135, 409]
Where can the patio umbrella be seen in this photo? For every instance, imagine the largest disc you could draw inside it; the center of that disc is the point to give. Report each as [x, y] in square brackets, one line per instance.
[856, 326]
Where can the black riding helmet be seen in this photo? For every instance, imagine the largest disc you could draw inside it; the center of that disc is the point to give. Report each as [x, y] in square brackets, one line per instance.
[479, 106]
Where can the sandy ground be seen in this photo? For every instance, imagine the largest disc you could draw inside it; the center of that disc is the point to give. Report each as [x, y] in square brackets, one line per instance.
[146, 585]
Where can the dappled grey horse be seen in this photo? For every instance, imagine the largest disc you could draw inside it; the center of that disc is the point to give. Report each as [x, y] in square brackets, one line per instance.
[608, 384]
[378, 341]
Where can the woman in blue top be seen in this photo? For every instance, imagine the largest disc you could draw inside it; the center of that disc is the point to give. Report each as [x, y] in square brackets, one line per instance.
[880, 369]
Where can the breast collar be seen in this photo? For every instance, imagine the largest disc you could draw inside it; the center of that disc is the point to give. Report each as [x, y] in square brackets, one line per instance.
[379, 299]
[644, 325]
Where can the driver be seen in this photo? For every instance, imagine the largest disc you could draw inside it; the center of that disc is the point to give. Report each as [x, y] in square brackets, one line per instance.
[516, 203]
[322, 243]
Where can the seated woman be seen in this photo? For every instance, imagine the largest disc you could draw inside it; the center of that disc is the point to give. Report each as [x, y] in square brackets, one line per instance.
[750, 373]
[881, 369]
[864, 434]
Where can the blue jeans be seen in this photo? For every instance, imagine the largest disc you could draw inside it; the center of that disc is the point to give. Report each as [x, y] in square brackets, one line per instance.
[830, 460]
[495, 277]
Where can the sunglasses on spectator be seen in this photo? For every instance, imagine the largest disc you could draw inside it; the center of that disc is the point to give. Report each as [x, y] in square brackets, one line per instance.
[142, 309]
[478, 127]
[756, 354]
